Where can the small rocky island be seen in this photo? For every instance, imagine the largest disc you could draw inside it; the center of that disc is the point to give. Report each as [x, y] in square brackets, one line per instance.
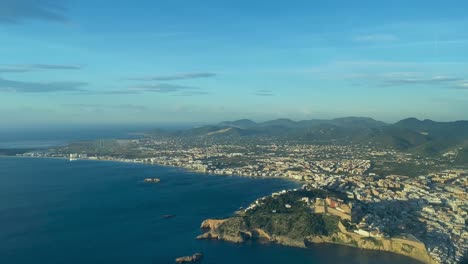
[302, 218]
[152, 180]
[190, 259]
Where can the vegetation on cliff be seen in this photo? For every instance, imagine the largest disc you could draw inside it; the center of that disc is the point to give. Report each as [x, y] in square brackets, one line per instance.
[287, 219]
[282, 216]
[296, 222]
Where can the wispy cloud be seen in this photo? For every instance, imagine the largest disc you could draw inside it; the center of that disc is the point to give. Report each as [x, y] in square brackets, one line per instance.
[100, 107]
[39, 87]
[191, 93]
[392, 73]
[463, 85]
[373, 38]
[76, 88]
[263, 93]
[108, 92]
[18, 68]
[55, 67]
[17, 11]
[436, 80]
[162, 88]
[403, 74]
[411, 79]
[337, 66]
[180, 76]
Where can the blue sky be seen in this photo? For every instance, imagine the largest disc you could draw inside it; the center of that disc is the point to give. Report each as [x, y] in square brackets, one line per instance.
[183, 61]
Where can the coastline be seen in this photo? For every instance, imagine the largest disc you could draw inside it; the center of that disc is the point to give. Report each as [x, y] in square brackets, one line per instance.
[245, 235]
[395, 245]
[74, 192]
[188, 169]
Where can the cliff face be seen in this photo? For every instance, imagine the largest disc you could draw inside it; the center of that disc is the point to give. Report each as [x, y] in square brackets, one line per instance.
[400, 246]
[212, 223]
[237, 230]
[231, 229]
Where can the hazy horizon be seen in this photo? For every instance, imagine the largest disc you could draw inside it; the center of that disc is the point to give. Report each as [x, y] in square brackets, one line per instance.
[141, 127]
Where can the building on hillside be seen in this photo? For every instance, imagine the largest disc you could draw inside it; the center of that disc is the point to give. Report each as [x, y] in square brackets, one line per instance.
[335, 206]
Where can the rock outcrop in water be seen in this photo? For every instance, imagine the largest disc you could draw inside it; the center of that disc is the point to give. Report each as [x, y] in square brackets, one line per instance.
[190, 259]
[152, 180]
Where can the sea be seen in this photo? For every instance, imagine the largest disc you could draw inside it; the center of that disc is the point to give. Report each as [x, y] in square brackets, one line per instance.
[57, 211]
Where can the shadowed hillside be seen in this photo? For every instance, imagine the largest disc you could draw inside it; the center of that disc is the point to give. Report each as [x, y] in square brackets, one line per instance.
[424, 137]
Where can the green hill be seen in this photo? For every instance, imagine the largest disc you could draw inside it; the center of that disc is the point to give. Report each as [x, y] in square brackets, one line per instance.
[424, 137]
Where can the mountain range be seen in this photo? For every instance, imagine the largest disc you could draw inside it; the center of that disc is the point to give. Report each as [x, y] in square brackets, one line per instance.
[411, 134]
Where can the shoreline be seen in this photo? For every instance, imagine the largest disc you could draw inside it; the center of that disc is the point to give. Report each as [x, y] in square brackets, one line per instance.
[282, 241]
[394, 245]
[148, 218]
[187, 169]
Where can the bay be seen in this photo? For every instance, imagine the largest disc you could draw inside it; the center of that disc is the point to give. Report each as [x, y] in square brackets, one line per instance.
[56, 211]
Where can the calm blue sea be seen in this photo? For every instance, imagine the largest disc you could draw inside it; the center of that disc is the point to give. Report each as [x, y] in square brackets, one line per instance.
[56, 211]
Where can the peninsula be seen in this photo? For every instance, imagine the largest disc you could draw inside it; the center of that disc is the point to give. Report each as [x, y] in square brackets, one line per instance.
[301, 218]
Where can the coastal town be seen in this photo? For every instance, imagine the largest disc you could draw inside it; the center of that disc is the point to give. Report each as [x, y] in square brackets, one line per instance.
[429, 204]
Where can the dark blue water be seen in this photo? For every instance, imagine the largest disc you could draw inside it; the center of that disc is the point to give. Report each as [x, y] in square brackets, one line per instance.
[55, 211]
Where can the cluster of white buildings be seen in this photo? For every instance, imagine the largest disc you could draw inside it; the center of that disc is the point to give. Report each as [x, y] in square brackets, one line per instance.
[433, 208]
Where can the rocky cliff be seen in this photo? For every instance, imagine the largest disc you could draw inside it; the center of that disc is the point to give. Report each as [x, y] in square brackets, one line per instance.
[237, 229]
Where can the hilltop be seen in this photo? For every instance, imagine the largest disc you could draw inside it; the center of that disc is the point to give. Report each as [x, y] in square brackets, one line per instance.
[425, 137]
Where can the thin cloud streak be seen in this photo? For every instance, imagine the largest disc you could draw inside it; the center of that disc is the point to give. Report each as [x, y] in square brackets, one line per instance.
[191, 93]
[376, 38]
[181, 76]
[342, 65]
[406, 78]
[162, 88]
[107, 92]
[20, 68]
[18, 11]
[265, 93]
[75, 88]
[461, 86]
[55, 67]
[94, 107]
[39, 87]
[429, 81]
[389, 73]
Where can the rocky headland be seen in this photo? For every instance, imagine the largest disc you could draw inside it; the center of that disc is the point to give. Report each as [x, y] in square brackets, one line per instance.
[289, 221]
